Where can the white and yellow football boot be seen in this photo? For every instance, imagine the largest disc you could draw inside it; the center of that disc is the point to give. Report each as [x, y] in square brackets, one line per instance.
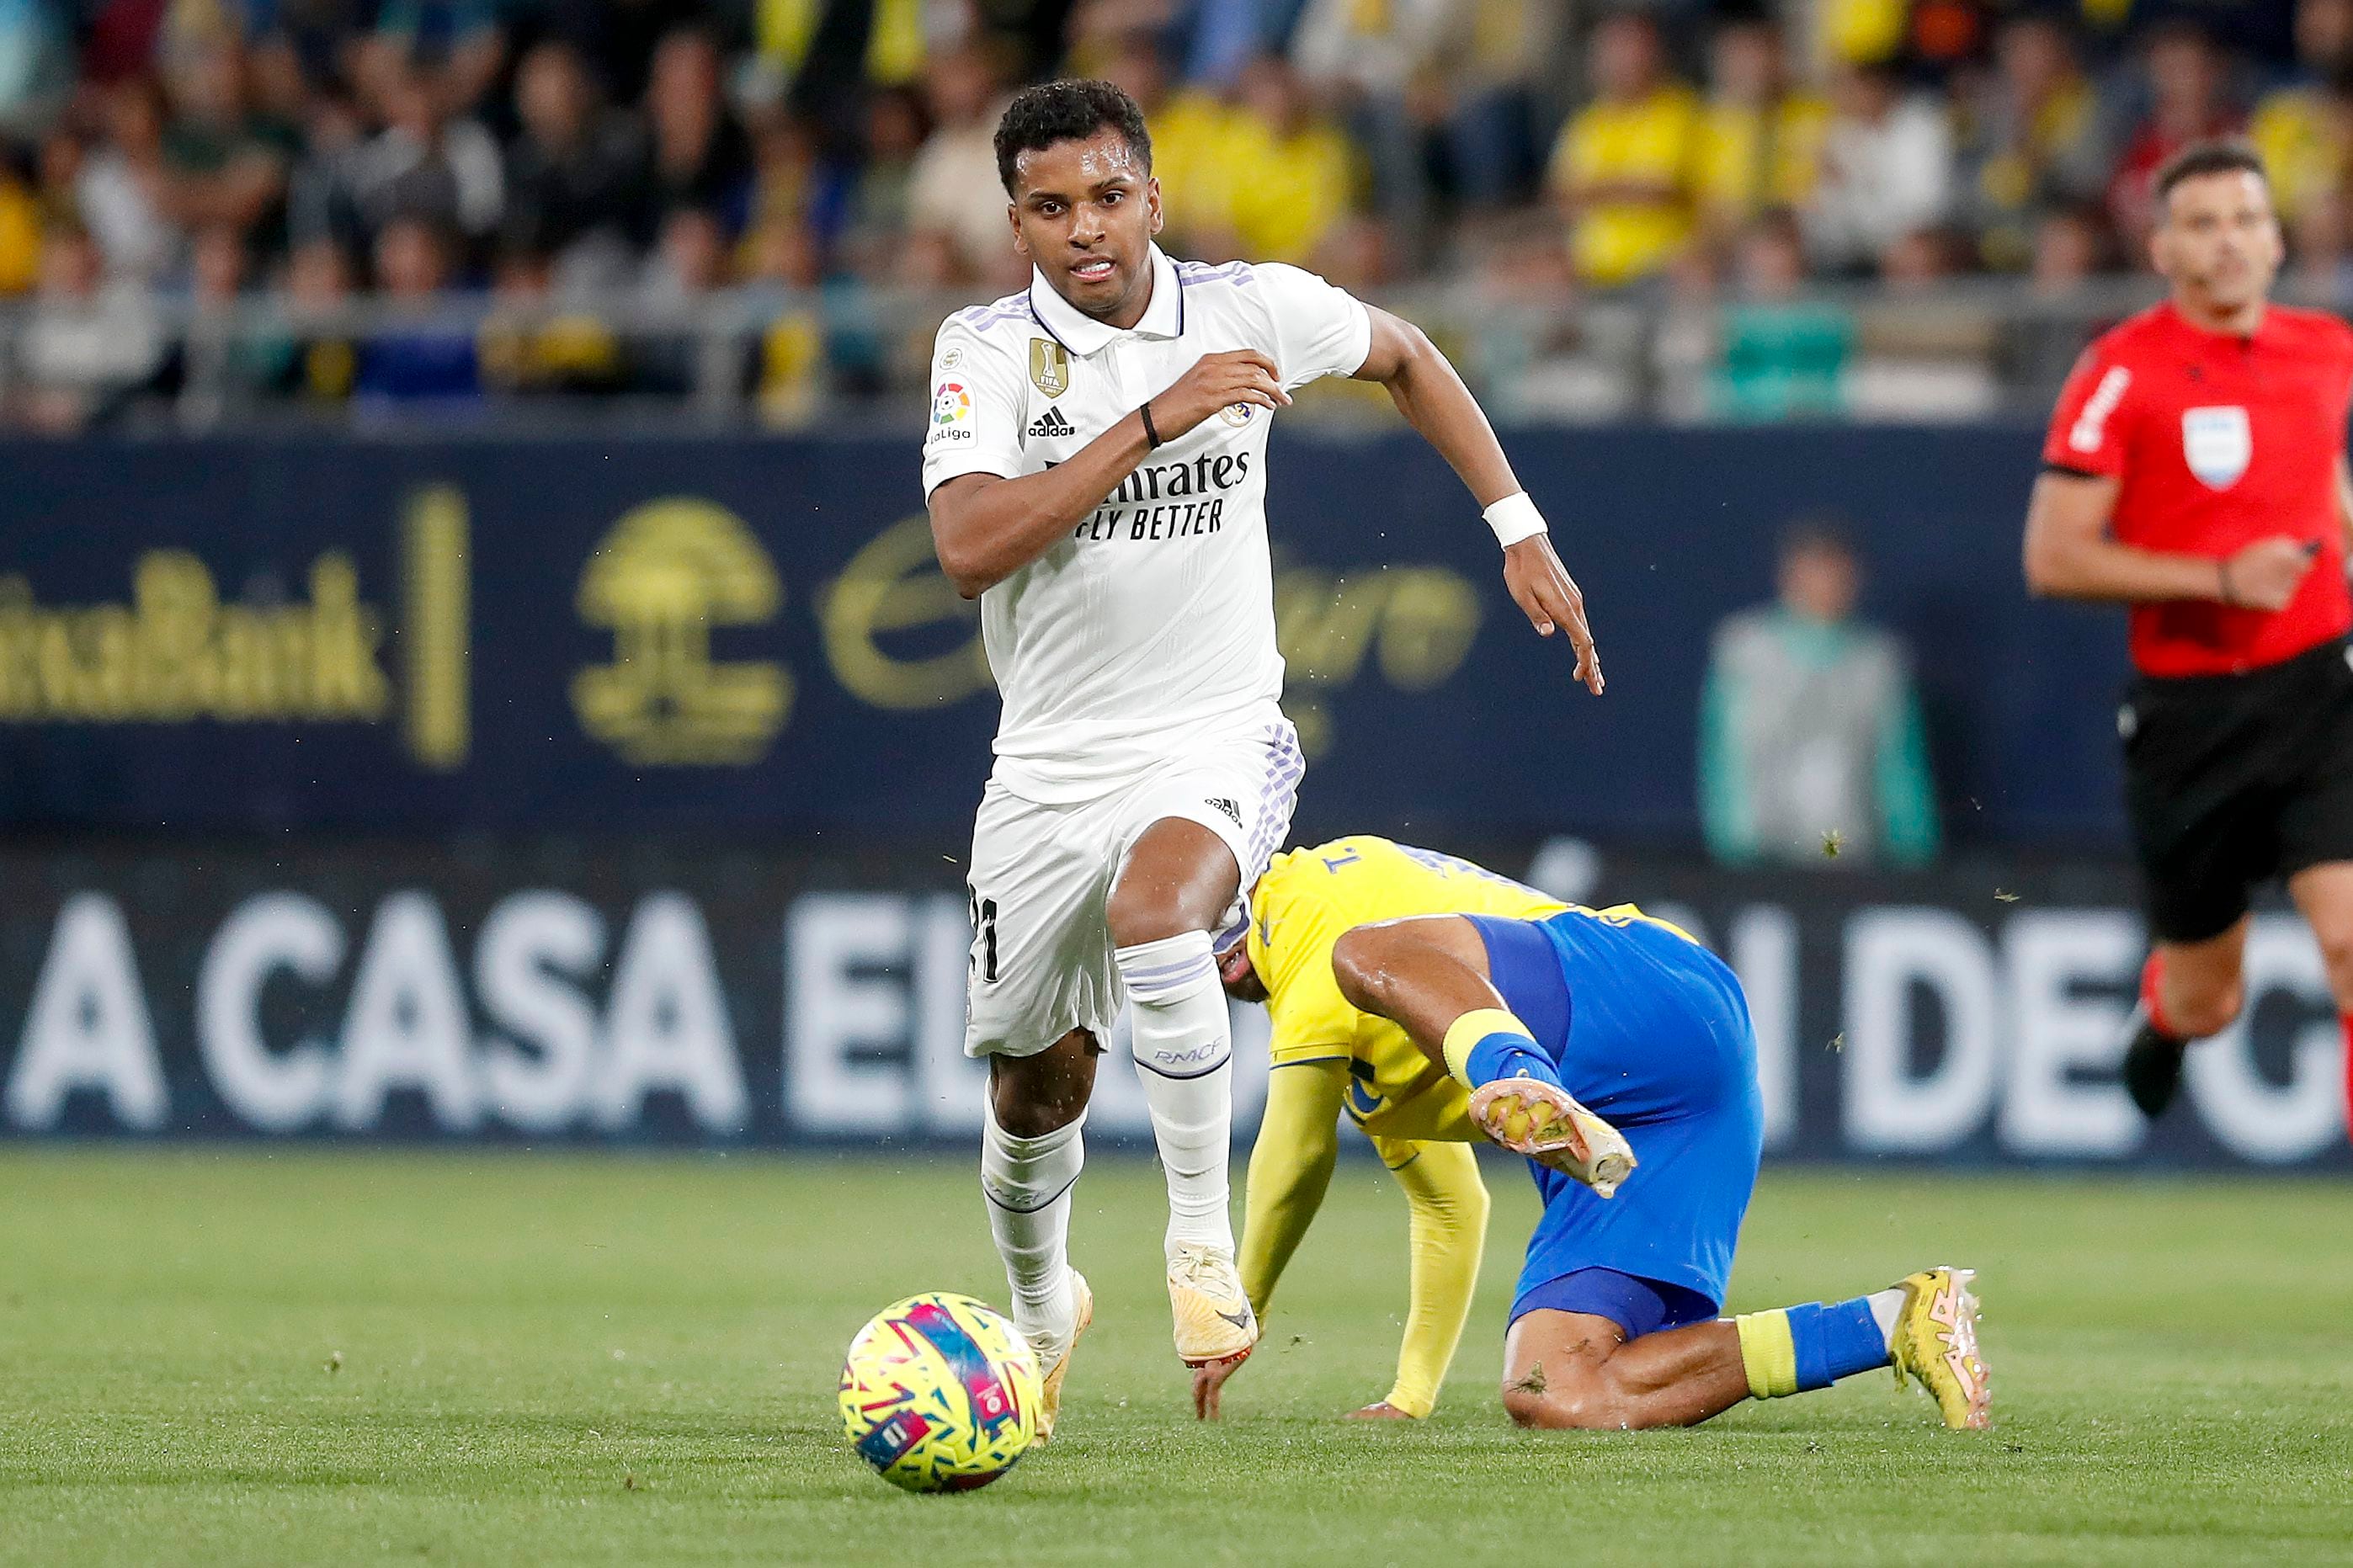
[1054, 1360]
[1544, 1122]
[1936, 1343]
[1213, 1316]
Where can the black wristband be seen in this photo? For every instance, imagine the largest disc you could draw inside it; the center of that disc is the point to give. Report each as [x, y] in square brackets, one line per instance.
[1151, 434]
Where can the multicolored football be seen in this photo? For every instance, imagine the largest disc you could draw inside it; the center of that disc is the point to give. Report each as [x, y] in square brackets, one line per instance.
[940, 1393]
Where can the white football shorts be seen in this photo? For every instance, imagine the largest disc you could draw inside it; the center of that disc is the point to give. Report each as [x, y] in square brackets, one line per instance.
[1041, 951]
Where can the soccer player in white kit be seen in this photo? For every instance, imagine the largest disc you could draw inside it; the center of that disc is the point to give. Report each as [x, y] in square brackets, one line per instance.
[1095, 467]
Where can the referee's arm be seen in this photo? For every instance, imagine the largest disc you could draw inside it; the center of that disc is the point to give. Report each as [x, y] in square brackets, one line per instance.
[2070, 553]
[2345, 502]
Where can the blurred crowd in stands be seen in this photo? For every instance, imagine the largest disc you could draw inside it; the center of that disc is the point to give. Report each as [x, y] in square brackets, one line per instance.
[764, 204]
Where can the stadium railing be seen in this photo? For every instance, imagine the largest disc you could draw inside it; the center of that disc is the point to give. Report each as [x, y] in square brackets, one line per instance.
[802, 358]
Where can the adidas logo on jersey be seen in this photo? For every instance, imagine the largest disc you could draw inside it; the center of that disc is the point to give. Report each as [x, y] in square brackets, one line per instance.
[1221, 804]
[1051, 423]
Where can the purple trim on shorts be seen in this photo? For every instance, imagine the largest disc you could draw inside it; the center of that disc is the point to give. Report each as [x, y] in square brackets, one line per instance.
[1285, 767]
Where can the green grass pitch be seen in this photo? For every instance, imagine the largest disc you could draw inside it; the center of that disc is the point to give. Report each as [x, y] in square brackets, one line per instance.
[247, 1356]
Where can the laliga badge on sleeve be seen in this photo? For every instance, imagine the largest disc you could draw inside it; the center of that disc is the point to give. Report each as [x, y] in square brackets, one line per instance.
[2217, 443]
[951, 412]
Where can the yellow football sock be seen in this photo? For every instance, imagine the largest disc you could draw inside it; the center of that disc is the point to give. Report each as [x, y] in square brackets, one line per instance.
[1472, 1027]
[1769, 1352]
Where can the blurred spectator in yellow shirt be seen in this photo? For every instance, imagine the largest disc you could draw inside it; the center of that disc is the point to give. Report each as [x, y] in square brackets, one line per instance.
[2298, 128]
[20, 231]
[784, 31]
[1762, 141]
[532, 343]
[2036, 142]
[1292, 172]
[1625, 167]
[1857, 32]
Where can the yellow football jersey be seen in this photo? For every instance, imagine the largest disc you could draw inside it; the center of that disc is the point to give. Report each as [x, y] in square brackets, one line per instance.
[1298, 909]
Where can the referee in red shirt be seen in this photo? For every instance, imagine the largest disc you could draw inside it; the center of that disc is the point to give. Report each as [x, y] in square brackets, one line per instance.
[2195, 470]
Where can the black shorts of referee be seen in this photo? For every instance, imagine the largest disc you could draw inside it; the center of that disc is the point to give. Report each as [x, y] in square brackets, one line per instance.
[2233, 780]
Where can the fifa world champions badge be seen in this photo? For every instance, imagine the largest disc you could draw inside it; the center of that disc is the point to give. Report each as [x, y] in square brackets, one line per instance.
[1049, 366]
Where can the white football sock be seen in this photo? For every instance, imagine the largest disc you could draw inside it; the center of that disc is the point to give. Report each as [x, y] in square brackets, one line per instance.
[1885, 1306]
[1184, 1054]
[1027, 1182]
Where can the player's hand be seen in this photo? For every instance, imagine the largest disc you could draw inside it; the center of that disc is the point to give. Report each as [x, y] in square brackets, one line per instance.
[1547, 595]
[1218, 381]
[1380, 1411]
[2266, 573]
[1209, 1381]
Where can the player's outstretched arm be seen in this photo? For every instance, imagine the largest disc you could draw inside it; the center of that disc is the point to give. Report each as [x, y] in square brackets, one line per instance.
[1290, 1171]
[2070, 555]
[986, 527]
[2345, 501]
[1431, 396]
[1449, 1204]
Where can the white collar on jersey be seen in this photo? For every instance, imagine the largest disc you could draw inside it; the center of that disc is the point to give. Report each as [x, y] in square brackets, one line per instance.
[1084, 335]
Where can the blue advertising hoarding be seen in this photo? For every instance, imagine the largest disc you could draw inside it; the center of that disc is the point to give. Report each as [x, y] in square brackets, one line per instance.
[737, 636]
[577, 994]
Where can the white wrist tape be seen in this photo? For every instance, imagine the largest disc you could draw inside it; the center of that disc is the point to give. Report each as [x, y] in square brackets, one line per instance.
[1515, 518]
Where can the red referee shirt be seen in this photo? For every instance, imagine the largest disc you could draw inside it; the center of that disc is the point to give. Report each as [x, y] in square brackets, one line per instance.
[2217, 441]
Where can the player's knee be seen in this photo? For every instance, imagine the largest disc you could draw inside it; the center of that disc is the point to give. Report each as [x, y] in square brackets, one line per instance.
[2337, 957]
[1138, 914]
[1570, 1405]
[1024, 1118]
[1526, 1407]
[1033, 1096]
[2203, 1010]
[1177, 879]
[1362, 961]
[1145, 907]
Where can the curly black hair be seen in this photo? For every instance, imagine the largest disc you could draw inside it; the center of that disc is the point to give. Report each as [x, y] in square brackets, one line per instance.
[1068, 110]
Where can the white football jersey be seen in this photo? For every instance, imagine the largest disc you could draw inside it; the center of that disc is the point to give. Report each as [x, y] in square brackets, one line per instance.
[1150, 628]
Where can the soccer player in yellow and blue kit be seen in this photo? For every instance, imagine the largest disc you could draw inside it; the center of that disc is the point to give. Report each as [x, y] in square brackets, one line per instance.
[1611, 1050]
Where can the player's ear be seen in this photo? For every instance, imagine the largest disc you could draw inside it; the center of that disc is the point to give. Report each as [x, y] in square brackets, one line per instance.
[1013, 217]
[1152, 200]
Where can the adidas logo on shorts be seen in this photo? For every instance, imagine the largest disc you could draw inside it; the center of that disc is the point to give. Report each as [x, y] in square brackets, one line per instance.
[1220, 803]
[1051, 423]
